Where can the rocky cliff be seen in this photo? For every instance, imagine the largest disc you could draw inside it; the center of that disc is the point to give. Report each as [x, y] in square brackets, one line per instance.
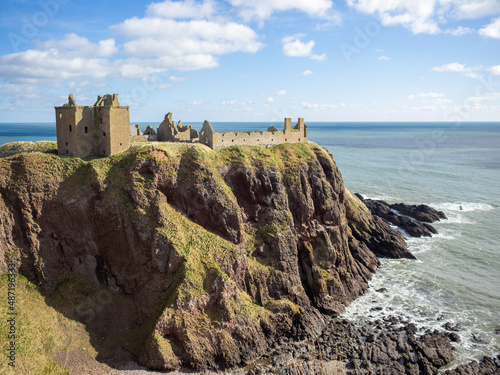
[207, 256]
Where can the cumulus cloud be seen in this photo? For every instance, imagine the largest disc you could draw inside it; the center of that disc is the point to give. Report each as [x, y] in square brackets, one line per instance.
[167, 37]
[384, 58]
[492, 30]
[51, 64]
[425, 16]
[294, 47]
[263, 9]
[281, 92]
[73, 42]
[306, 73]
[174, 35]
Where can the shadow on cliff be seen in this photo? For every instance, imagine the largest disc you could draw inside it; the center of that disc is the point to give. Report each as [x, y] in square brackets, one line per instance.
[98, 266]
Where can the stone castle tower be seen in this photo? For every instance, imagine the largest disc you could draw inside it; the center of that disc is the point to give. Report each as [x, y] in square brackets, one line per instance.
[102, 129]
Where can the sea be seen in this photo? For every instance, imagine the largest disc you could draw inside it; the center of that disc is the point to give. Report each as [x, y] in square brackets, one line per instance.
[453, 167]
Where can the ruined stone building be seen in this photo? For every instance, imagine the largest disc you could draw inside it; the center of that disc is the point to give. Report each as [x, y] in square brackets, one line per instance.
[267, 138]
[102, 129]
[169, 132]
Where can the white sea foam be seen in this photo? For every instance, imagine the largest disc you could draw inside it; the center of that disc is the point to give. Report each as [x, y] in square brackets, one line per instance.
[381, 197]
[463, 206]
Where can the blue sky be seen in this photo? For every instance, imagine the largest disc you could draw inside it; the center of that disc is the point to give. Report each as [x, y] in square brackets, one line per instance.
[260, 60]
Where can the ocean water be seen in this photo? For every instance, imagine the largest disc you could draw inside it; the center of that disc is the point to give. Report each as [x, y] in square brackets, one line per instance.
[453, 167]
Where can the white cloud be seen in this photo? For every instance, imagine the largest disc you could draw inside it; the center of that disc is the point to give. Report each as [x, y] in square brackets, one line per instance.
[281, 92]
[177, 79]
[495, 70]
[475, 8]
[459, 31]
[294, 47]
[425, 16]
[321, 107]
[164, 86]
[306, 73]
[167, 37]
[263, 9]
[426, 95]
[181, 9]
[453, 67]
[236, 102]
[73, 42]
[470, 72]
[384, 58]
[492, 30]
[270, 100]
[51, 64]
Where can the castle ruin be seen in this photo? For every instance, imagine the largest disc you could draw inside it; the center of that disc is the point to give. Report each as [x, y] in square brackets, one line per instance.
[104, 129]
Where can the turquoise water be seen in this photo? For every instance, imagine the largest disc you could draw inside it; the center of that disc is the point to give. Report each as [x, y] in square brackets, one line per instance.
[452, 167]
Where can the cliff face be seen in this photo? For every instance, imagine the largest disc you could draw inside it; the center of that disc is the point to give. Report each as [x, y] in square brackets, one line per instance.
[218, 252]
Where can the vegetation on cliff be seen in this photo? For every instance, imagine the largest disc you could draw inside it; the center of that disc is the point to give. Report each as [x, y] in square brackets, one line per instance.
[204, 257]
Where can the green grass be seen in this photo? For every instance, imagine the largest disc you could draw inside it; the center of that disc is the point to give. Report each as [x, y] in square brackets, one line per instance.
[29, 146]
[41, 331]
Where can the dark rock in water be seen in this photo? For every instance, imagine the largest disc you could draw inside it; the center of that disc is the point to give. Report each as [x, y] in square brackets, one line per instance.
[455, 328]
[381, 290]
[476, 337]
[454, 337]
[419, 212]
[488, 366]
[399, 215]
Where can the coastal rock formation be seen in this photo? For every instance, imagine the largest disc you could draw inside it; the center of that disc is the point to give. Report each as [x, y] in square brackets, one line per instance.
[209, 256]
[413, 219]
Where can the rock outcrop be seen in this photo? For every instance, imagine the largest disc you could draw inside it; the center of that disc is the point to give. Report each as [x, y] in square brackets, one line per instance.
[413, 219]
[210, 256]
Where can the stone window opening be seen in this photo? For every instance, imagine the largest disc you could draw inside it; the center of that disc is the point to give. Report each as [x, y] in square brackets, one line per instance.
[103, 134]
[66, 144]
[70, 128]
[120, 144]
[60, 114]
[86, 130]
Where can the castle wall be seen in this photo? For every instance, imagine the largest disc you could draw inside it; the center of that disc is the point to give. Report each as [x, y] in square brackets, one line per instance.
[143, 138]
[119, 132]
[66, 141]
[257, 138]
